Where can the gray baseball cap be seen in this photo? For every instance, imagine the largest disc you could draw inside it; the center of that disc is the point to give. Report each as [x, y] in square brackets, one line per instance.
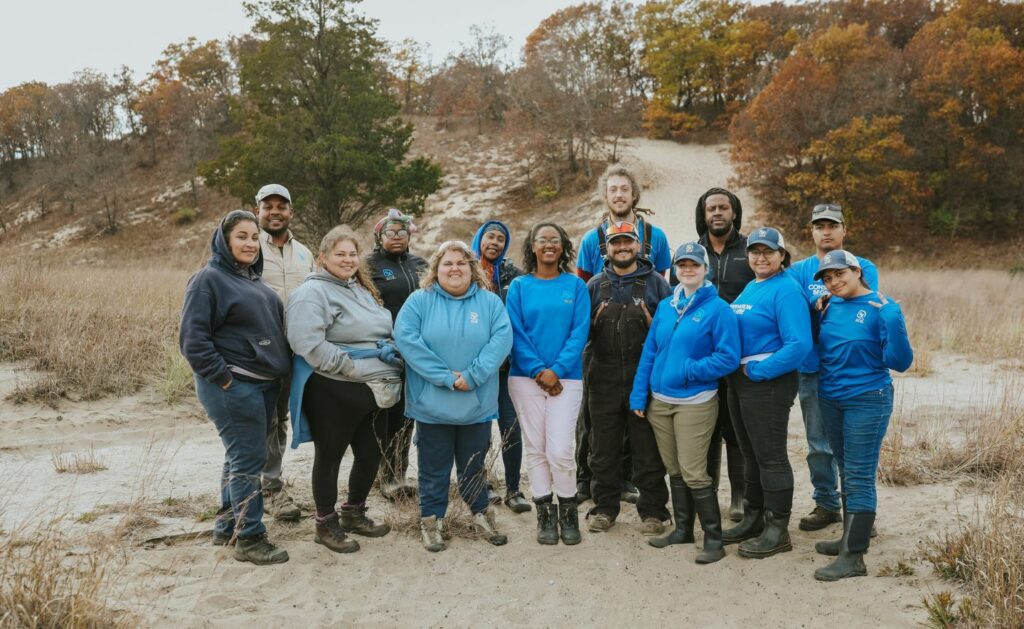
[271, 189]
[827, 212]
[691, 251]
[837, 259]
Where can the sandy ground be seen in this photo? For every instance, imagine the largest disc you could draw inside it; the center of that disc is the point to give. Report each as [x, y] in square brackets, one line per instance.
[153, 452]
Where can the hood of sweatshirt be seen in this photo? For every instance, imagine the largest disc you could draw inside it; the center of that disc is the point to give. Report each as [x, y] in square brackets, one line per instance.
[704, 293]
[737, 208]
[496, 265]
[220, 256]
[644, 267]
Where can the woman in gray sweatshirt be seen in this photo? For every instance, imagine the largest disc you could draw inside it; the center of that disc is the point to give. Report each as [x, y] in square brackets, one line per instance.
[346, 371]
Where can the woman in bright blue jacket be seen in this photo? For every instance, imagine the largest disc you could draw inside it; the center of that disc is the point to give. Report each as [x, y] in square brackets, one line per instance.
[862, 336]
[775, 336]
[694, 341]
[454, 335]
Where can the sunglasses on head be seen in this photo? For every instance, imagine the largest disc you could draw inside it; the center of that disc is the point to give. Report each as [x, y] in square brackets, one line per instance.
[826, 207]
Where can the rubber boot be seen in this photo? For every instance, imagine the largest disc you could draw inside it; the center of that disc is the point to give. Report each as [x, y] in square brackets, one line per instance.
[831, 547]
[734, 466]
[715, 463]
[547, 522]
[706, 503]
[329, 533]
[749, 527]
[773, 539]
[855, 541]
[569, 521]
[682, 515]
[354, 520]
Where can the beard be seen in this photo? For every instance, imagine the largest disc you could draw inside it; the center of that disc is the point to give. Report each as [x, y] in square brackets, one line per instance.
[275, 232]
[623, 263]
[718, 232]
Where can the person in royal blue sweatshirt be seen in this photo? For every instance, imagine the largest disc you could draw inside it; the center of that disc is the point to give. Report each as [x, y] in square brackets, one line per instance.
[549, 308]
[232, 335]
[861, 337]
[694, 341]
[775, 336]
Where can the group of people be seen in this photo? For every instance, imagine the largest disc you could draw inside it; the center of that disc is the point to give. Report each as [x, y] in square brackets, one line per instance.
[610, 369]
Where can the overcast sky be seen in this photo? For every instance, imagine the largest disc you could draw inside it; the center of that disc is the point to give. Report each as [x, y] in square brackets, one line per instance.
[49, 40]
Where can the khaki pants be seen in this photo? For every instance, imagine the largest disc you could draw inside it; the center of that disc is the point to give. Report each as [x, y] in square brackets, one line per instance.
[683, 433]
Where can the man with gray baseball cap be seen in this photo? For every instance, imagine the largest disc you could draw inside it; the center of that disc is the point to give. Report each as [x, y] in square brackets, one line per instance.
[828, 229]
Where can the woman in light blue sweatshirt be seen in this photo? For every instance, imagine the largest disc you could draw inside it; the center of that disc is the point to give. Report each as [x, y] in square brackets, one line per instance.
[775, 336]
[454, 335]
[862, 336]
[549, 308]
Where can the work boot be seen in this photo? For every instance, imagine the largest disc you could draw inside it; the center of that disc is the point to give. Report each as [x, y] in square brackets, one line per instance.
[852, 546]
[516, 503]
[773, 539]
[819, 519]
[706, 503]
[568, 521]
[330, 534]
[651, 526]
[485, 524]
[430, 532]
[280, 505]
[600, 522]
[682, 515]
[223, 539]
[547, 522]
[734, 466]
[630, 493]
[354, 520]
[259, 550]
[749, 527]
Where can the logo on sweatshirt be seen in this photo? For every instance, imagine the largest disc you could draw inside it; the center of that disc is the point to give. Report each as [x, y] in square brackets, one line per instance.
[388, 274]
[861, 314]
[739, 309]
[474, 317]
[697, 316]
[567, 297]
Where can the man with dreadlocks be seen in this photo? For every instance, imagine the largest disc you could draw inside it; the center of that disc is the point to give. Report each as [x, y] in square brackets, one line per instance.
[396, 273]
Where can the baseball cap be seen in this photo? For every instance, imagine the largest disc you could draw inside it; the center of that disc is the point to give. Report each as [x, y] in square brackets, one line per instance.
[273, 188]
[837, 259]
[691, 251]
[827, 212]
[768, 236]
[621, 228]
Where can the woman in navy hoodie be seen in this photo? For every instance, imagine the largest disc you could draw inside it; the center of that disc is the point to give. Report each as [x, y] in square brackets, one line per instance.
[862, 336]
[694, 341]
[775, 336]
[232, 335]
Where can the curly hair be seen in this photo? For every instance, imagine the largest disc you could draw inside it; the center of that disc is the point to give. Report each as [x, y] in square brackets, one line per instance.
[565, 261]
[476, 271]
[362, 275]
[618, 170]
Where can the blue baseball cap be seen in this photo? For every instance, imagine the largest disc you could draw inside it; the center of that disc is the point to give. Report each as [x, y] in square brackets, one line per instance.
[837, 259]
[767, 236]
[691, 251]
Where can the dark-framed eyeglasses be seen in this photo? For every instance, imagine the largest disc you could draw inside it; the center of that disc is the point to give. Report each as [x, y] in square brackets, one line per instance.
[396, 233]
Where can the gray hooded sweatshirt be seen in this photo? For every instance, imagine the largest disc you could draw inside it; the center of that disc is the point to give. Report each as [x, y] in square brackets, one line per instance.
[326, 315]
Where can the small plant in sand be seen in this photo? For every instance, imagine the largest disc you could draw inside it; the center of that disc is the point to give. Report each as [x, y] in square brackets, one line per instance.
[86, 462]
[899, 569]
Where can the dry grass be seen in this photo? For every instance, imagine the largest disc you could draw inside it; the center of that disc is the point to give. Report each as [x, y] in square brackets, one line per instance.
[899, 569]
[86, 462]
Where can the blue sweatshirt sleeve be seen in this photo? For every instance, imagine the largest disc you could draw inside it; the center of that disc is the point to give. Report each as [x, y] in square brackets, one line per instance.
[409, 339]
[572, 351]
[524, 353]
[870, 273]
[589, 251]
[896, 350]
[642, 379]
[725, 332]
[660, 251]
[489, 360]
[199, 318]
[794, 321]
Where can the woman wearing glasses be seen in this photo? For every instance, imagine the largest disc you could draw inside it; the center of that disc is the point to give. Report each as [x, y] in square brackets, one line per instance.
[454, 335]
[549, 308]
[396, 273]
[775, 336]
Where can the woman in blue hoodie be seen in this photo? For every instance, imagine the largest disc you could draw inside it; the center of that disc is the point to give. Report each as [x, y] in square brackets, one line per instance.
[862, 336]
[775, 336]
[694, 341]
[454, 335]
[232, 335]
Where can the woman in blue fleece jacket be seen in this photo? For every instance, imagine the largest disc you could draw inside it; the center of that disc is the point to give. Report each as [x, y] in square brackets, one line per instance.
[862, 336]
[775, 336]
[232, 335]
[454, 335]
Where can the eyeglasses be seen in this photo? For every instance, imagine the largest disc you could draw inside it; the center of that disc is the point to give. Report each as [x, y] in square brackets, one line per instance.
[760, 253]
[821, 208]
[543, 242]
[396, 233]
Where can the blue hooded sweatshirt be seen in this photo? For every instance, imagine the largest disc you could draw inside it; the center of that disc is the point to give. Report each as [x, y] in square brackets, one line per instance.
[437, 334]
[687, 354]
[503, 271]
[551, 322]
[231, 321]
[859, 344]
[774, 319]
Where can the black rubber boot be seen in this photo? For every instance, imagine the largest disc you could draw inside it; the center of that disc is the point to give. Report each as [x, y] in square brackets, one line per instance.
[706, 503]
[682, 515]
[855, 541]
[734, 466]
[749, 527]
[773, 539]
[831, 547]
[547, 521]
[569, 521]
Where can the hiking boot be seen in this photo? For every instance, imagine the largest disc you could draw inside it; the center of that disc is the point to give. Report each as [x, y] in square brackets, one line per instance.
[259, 550]
[223, 539]
[600, 522]
[773, 539]
[630, 493]
[547, 523]
[582, 491]
[280, 505]
[485, 524]
[568, 522]
[651, 527]
[517, 503]
[430, 532]
[749, 527]
[682, 515]
[849, 561]
[354, 520]
[706, 503]
[819, 519]
[330, 534]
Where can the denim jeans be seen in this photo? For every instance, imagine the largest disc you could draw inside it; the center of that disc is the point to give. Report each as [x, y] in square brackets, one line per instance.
[242, 418]
[440, 445]
[511, 435]
[820, 461]
[856, 427]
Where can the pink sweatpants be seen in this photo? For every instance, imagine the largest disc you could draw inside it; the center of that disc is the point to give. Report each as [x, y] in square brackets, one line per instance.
[549, 433]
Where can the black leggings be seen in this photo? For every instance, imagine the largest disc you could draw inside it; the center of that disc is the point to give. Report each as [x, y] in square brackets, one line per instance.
[342, 414]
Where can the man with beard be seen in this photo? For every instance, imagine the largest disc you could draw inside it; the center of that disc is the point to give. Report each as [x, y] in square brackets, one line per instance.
[622, 299]
[718, 216]
[286, 263]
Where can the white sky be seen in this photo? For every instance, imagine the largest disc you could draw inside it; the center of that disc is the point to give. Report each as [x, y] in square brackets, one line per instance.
[49, 40]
